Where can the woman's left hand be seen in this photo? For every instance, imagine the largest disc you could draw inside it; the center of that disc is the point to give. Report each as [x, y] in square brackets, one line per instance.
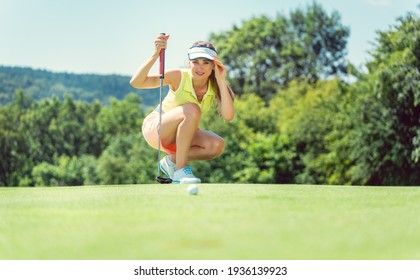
[219, 69]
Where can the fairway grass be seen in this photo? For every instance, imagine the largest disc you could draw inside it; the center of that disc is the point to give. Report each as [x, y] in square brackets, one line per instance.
[163, 222]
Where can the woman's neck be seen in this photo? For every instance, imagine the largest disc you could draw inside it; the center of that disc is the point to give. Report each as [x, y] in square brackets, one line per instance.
[200, 87]
[200, 83]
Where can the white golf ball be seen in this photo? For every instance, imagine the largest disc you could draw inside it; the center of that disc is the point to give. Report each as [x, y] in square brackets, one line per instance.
[192, 189]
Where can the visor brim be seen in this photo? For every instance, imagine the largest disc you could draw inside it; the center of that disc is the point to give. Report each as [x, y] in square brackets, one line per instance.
[200, 55]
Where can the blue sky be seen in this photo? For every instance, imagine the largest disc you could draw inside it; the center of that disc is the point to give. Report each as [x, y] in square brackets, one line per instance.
[116, 36]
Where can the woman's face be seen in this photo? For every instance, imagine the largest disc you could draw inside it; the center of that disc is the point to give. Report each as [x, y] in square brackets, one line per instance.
[201, 68]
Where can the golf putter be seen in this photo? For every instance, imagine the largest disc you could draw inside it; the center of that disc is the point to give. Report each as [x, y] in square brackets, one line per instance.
[159, 178]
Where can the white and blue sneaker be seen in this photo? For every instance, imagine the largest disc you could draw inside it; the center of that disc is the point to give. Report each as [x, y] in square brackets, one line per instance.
[185, 176]
[167, 166]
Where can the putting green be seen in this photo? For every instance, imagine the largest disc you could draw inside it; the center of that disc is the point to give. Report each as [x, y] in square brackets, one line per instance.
[221, 222]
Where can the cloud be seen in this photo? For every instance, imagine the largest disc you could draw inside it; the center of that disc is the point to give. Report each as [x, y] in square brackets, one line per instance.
[382, 3]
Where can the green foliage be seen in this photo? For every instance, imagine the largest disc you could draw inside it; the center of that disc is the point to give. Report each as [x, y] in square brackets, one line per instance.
[12, 145]
[127, 160]
[66, 172]
[389, 129]
[271, 160]
[53, 142]
[254, 152]
[121, 117]
[312, 117]
[55, 127]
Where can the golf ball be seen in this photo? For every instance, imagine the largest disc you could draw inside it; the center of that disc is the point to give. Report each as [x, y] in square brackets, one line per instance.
[192, 189]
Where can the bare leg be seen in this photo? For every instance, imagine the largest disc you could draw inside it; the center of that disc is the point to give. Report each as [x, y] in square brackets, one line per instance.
[206, 145]
[180, 125]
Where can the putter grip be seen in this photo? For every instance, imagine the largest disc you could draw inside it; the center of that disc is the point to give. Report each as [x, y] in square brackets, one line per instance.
[162, 62]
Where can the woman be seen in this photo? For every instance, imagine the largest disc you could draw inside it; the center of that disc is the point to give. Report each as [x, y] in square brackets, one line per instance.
[192, 91]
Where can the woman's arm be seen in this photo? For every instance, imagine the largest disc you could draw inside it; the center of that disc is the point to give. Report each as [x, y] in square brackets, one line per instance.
[141, 78]
[226, 107]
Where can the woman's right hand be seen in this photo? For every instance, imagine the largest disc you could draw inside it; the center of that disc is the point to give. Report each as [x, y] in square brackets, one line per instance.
[161, 42]
[142, 79]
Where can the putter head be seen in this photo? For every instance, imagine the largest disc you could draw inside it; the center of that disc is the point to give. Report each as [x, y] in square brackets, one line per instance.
[162, 180]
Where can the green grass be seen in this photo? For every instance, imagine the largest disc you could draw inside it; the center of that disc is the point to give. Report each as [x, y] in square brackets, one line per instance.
[222, 222]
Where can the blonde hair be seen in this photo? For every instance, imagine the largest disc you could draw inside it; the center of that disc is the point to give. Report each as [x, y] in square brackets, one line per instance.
[212, 77]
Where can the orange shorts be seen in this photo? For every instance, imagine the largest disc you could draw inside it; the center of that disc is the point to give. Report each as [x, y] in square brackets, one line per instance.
[150, 133]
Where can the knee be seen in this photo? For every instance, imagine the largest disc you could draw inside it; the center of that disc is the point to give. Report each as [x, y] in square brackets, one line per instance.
[217, 147]
[191, 111]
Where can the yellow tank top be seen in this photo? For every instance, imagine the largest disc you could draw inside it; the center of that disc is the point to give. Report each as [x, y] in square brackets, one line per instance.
[185, 94]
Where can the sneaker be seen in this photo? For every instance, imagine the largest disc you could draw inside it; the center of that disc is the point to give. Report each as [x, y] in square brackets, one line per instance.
[167, 166]
[185, 176]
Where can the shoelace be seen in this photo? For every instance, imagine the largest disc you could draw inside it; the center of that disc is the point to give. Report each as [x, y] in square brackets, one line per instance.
[188, 170]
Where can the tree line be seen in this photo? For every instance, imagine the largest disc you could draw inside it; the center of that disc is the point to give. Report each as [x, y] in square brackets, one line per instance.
[40, 84]
[297, 118]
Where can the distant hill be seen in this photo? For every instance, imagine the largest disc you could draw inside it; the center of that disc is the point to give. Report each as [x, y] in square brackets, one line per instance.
[41, 84]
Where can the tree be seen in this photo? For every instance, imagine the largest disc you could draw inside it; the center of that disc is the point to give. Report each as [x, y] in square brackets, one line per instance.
[127, 160]
[254, 151]
[10, 142]
[13, 141]
[389, 129]
[263, 53]
[314, 118]
[121, 117]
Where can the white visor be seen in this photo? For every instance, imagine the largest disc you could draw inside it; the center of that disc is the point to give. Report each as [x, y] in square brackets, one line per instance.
[201, 52]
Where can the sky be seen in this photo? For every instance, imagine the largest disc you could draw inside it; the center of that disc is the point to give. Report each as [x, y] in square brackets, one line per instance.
[116, 36]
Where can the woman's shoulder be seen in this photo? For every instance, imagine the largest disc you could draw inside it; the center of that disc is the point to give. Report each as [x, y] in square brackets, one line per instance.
[175, 77]
[176, 73]
[182, 71]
